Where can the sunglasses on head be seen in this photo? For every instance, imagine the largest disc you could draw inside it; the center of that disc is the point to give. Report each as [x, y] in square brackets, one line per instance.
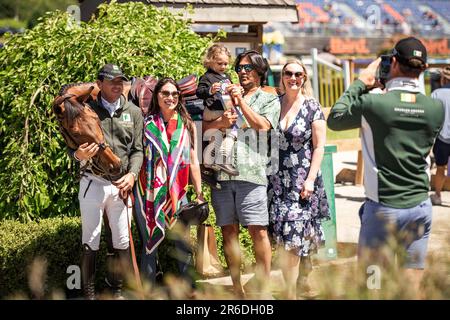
[246, 67]
[296, 74]
[166, 94]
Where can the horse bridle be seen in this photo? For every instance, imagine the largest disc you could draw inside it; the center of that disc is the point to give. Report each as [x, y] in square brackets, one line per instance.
[102, 145]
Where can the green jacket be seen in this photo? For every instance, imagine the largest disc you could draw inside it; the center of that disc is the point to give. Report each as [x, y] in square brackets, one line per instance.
[123, 132]
[398, 129]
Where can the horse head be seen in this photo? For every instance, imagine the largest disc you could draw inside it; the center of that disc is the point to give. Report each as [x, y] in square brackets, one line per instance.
[80, 124]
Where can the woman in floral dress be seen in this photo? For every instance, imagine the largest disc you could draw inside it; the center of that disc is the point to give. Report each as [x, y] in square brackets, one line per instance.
[297, 199]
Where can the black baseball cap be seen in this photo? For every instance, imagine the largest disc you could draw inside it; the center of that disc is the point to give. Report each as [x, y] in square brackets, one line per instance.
[111, 71]
[410, 48]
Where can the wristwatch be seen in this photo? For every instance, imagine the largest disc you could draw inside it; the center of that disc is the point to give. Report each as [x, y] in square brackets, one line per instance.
[134, 175]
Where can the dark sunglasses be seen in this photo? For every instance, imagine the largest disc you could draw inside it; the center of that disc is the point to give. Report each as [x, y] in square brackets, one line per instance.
[166, 94]
[246, 67]
[297, 74]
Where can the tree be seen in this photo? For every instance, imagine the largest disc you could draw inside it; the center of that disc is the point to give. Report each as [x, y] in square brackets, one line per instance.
[37, 177]
[30, 10]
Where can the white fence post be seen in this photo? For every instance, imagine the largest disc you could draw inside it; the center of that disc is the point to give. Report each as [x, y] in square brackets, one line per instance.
[346, 69]
[315, 73]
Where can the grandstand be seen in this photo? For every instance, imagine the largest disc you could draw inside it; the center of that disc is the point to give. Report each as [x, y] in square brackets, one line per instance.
[374, 17]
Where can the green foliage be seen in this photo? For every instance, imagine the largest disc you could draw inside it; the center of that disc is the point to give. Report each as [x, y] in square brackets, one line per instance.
[12, 23]
[37, 177]
[346, 134]
[30, 10]
[57, 240]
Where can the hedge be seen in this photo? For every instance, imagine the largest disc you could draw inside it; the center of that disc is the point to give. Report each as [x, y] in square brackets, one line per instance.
[58, 242]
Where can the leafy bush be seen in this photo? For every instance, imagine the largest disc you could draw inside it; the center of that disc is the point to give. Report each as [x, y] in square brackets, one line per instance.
[58, 242]
[38, 179]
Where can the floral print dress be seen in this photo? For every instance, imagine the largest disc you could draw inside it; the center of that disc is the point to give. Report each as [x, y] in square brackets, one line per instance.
[295, 222]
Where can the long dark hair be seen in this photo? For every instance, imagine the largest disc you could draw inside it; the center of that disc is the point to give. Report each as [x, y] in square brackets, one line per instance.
[258, 61]
[180, 108]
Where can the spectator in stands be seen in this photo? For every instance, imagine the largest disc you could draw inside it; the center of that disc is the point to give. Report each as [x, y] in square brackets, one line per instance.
[441, 149]
[396, 216]
[328, 56]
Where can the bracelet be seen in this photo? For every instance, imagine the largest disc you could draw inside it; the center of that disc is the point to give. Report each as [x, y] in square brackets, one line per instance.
[75, 156]
[134, 175]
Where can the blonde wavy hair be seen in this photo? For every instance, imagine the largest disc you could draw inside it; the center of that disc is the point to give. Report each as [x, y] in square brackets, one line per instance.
[213, 52]
[306, 88]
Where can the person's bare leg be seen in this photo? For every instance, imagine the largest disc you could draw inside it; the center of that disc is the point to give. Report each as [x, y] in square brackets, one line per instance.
[304, 269]
[263, 254]
[439, 180]
[290, 268]
[415, 278]
[232, 253]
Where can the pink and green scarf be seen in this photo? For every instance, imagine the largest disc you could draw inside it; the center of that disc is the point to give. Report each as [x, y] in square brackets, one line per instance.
[164, 176]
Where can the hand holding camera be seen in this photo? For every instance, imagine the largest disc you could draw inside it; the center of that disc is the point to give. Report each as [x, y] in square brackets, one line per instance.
[369, 75]
[384, 68]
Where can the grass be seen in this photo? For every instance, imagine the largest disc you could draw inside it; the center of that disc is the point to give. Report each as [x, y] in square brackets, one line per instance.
[339, 135]
[12, 23]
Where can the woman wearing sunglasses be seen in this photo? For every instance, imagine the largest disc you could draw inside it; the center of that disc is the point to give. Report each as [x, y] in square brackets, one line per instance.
[297, 199]
[170, 159]
[242, 199]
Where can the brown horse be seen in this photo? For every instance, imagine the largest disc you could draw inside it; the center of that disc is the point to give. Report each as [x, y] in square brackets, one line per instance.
[79, 124]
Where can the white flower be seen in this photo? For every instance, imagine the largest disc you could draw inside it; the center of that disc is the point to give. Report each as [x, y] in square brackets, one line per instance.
[294, 159]
[305, 163]
[287, 182]
[283, 142]
[294, 197]
[304, 111]
[287, 229]
[296, 131]
[296, 240]
[301, 124]
[298, 226]
[283, 209]
[287, 163]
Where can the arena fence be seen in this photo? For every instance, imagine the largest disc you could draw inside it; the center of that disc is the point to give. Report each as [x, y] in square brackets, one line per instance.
[329, 81]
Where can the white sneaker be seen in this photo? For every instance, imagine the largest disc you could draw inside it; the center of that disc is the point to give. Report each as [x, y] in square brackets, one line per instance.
[436, 200]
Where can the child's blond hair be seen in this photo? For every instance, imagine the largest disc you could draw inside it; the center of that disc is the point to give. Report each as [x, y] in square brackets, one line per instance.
[213, 52]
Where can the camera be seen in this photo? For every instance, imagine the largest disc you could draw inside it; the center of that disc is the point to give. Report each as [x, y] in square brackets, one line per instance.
[384, 68]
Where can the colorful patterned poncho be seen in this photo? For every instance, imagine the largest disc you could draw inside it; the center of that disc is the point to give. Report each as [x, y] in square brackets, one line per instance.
[164, 176]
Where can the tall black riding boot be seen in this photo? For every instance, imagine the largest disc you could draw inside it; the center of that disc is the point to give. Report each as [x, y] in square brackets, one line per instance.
[120, 269]
[88, 260]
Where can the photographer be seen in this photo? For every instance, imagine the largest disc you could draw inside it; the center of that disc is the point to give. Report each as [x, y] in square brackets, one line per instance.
[398, 129]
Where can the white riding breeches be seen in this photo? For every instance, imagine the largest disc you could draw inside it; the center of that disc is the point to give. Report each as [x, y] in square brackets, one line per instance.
[98, 196]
